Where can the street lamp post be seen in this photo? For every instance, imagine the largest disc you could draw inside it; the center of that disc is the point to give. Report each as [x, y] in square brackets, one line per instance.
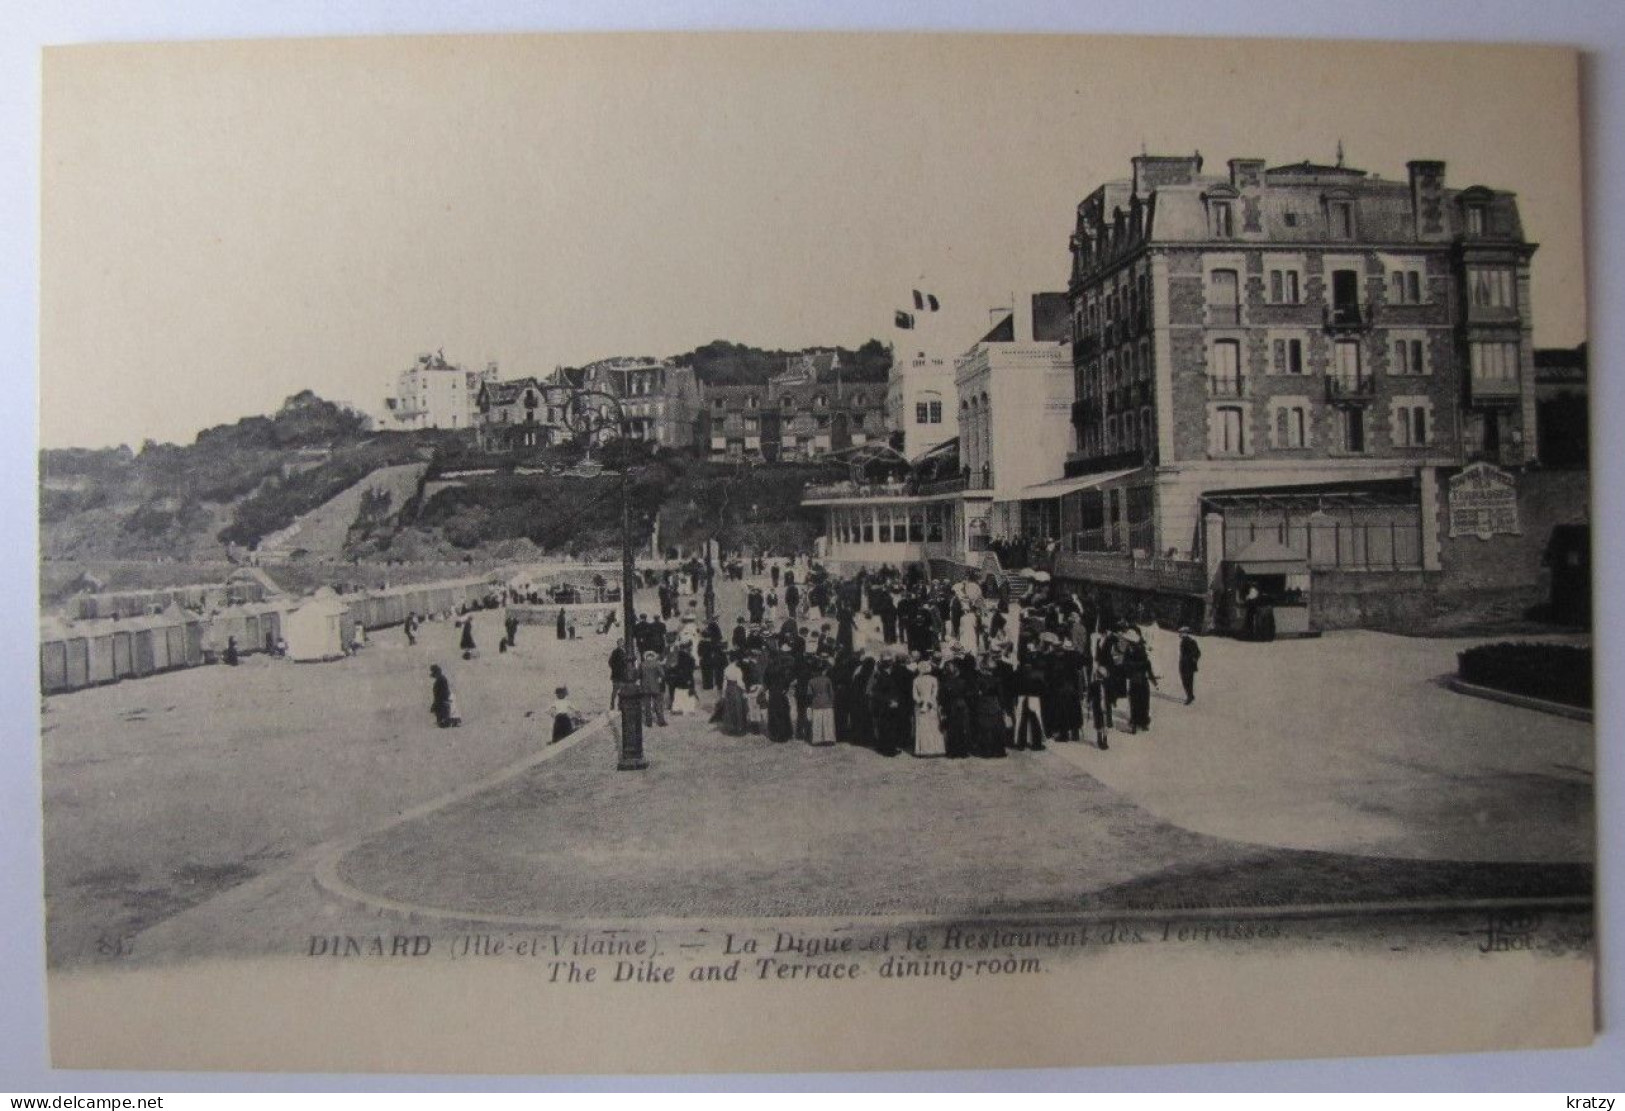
[590, 413]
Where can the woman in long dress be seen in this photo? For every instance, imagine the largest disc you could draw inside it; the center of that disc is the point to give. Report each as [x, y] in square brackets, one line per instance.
[990, 730]
[735, 719]
[928, 740]
[955, 696]
[777, 681]
[1140, 677]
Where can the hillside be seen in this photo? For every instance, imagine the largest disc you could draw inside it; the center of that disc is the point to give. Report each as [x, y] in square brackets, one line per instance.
[232, 486]
[311, 481]
[374, 502]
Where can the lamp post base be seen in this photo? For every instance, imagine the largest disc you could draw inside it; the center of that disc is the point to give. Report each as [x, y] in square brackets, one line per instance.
[631, 757]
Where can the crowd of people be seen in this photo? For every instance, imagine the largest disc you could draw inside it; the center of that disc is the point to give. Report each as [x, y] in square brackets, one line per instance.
[892, 662]
[886, 660]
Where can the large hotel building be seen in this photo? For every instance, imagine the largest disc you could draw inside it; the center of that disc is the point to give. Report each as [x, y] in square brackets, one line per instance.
[1283, 378]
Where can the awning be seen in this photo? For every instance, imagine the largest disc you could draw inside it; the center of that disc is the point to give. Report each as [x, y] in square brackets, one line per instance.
[1060, 487]
[1268, 556]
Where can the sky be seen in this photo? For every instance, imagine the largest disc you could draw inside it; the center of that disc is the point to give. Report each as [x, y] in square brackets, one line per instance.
[224, 225]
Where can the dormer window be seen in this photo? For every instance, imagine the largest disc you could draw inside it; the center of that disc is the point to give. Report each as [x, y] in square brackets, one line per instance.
[1224, 220]
[1475, 219]
[1340, 219]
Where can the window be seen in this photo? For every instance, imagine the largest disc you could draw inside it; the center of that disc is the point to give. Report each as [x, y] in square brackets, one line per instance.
[1352, 422]
[1491, 287]
[1284, 287]
[1494, 362]
[1224, 297]
[1128, 432]
[719, 404]
[916, 526]
[885, 527]
[1340, 217]
[1346, 360]
[1225, 431]
[1405, 286]
[1291, 426]
[1146, 439]
[1111, 435]
[1224, 220]
[936, 412]
[868, 528]
[1408, 357]
[1226, 368]
[1145, 360]
[750, 401]
[1475, 219]
[1410, 423]
[1288, 356]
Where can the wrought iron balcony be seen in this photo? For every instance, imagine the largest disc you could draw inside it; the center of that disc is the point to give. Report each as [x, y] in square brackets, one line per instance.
[1348, 316]
[1352, 389]
[1226, 386]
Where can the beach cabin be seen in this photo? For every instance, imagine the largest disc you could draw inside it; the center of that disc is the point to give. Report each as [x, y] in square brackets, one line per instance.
[315, 629]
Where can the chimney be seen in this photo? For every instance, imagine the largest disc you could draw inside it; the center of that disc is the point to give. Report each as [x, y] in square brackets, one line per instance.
[1152, 171]
[1427, 199]
[1021, 312]
[1246, 173]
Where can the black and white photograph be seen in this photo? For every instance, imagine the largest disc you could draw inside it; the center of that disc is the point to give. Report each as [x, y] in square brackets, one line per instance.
[716, 547]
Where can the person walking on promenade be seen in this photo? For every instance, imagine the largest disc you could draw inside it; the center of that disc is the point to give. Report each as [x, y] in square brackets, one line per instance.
[1137, 671]
[777, 678]
[1029, 711]
[713, 657]
[955, 693]
[442, 702]
[821, 711]
[560, 631]
[680, 680]
[735, 716]
[617, 673]
[928, 739]
[510, 625]
[470, 649]
[1190, 655]
[652, 682]
[990, 729]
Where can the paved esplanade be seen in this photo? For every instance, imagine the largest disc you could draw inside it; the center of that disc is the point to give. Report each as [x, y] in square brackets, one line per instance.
[1276, 787]
[192, 811]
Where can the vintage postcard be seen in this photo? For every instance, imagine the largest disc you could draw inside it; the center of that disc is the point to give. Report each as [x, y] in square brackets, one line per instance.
[644, 553]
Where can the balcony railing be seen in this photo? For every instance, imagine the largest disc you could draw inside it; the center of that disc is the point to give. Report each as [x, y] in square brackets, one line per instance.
[1348, 316]
[1347, 388]
[1494, 391]
[821, 491]
[1226, 386]
[943, 486]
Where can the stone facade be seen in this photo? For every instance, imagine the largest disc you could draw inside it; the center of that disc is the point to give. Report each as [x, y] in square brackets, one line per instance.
[1295, 324]
[802, 414]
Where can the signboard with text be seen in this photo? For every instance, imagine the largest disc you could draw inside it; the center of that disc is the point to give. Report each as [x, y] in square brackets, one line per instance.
[1484, 502]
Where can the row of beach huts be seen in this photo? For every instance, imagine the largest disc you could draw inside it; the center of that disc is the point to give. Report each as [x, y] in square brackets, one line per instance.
[95, 650]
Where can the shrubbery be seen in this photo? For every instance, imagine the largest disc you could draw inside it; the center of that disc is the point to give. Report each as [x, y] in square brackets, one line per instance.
[1556, 672]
